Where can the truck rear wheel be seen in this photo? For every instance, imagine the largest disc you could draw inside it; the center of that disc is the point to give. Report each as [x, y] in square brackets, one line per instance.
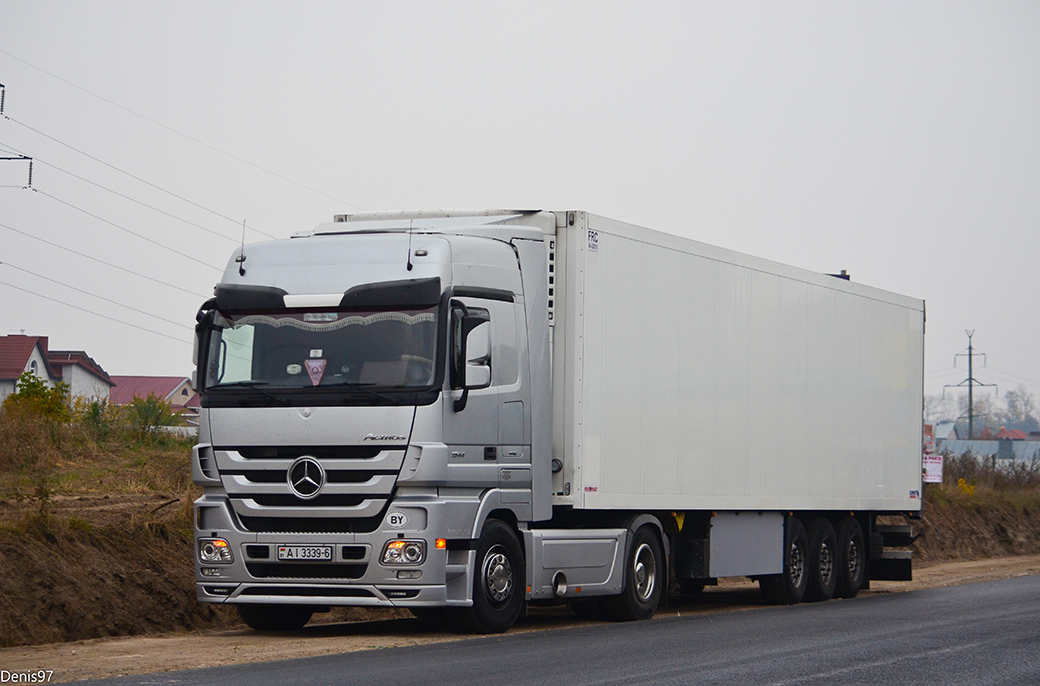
[644, 579]
[498, 583]
[850, 559]
[789, 587]
[822, 565]
[275, 617]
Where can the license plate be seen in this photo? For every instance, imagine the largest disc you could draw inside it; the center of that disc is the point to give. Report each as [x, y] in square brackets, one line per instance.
[313, 553]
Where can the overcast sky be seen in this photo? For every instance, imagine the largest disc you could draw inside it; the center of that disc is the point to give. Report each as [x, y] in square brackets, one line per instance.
[899, 141]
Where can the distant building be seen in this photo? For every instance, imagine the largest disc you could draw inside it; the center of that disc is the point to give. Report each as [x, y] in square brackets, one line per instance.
[85, 377]
[175, 390]
[19, 354]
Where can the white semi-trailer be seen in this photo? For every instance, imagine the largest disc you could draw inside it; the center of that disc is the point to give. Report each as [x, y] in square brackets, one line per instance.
[463, 412]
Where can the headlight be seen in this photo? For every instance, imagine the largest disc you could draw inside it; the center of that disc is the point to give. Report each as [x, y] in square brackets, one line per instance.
[215, 550]
[402, 552]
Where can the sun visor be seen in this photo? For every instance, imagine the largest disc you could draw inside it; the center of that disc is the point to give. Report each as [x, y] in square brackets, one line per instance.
[243, 297]
[406, 293]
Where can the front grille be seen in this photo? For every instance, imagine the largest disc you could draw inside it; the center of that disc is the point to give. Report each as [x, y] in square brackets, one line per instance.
[359, 483]
[305, 571]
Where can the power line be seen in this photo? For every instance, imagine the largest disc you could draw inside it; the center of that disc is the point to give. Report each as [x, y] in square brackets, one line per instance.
[107, 264]
[134, 200]
[182, 134]
[123, 228]
[95, 295]
[1012, 376]
[1005, 345]
[96, 314]
[132, 176]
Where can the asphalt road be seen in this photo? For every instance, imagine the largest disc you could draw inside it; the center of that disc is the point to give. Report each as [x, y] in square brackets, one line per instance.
[984, 633]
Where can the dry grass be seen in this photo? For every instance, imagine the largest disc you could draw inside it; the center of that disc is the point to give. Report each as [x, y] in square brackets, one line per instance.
[971, 482]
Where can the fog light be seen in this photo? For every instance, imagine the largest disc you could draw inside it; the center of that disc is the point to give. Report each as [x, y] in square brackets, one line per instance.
[402, 552]
[210, 571]
[215, 550]
[409, 574]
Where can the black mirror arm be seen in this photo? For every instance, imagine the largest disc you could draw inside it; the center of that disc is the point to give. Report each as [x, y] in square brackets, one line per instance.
[460, 403]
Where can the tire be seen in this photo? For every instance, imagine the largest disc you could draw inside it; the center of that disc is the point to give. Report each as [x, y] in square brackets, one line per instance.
[499, 583]
[275, 617]
[644, 580]
[851, 560]
[822, 565]
[789, 587]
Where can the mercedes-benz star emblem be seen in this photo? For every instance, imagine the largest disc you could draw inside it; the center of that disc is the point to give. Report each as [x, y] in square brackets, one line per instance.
[306, 478]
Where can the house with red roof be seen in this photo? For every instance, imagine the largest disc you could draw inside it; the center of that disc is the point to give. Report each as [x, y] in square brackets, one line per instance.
[1013, 434]
[177, 391]
[20, 353]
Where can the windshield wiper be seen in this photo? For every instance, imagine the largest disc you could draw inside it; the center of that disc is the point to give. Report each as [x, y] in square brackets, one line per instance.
[256, 386]
[363, 387]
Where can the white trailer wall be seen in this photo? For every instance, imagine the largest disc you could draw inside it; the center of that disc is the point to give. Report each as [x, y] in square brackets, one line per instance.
[707, 379]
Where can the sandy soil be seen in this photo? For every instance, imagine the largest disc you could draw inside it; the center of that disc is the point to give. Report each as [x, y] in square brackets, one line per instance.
[100, 658]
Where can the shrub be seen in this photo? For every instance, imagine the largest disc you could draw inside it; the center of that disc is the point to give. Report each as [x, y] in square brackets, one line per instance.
[147, 413]
[34, 396]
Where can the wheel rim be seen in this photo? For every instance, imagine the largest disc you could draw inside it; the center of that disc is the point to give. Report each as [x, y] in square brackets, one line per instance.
[644, 572]
[826, 564]
[497, 573]
[854, 560]
[796, 569]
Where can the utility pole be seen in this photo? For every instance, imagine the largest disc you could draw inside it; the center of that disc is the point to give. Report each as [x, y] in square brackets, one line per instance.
[971, 382]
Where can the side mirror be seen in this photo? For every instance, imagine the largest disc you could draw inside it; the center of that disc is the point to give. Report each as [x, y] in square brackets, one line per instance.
[478, 357]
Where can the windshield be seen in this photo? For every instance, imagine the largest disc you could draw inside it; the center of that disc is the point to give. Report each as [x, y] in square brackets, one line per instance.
[292, 349]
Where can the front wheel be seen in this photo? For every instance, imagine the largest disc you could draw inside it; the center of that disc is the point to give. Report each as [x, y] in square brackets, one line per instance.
[644, 579]
[498, 583]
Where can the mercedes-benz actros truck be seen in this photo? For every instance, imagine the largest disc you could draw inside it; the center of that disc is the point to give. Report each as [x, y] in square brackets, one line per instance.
[465, 412]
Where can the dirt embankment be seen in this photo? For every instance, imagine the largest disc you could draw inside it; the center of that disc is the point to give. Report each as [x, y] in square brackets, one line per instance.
[119, 566]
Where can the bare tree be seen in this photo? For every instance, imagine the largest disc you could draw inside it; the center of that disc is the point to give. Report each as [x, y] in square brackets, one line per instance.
[1020, 410]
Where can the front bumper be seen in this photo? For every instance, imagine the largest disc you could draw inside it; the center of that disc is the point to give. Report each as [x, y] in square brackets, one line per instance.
[354, 576]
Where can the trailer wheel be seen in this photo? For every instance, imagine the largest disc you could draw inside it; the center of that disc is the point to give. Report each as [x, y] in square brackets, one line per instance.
[644, 578]
[498, 583]
[851, 559]
[275, 617]
[789, 587]
[822, 567]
